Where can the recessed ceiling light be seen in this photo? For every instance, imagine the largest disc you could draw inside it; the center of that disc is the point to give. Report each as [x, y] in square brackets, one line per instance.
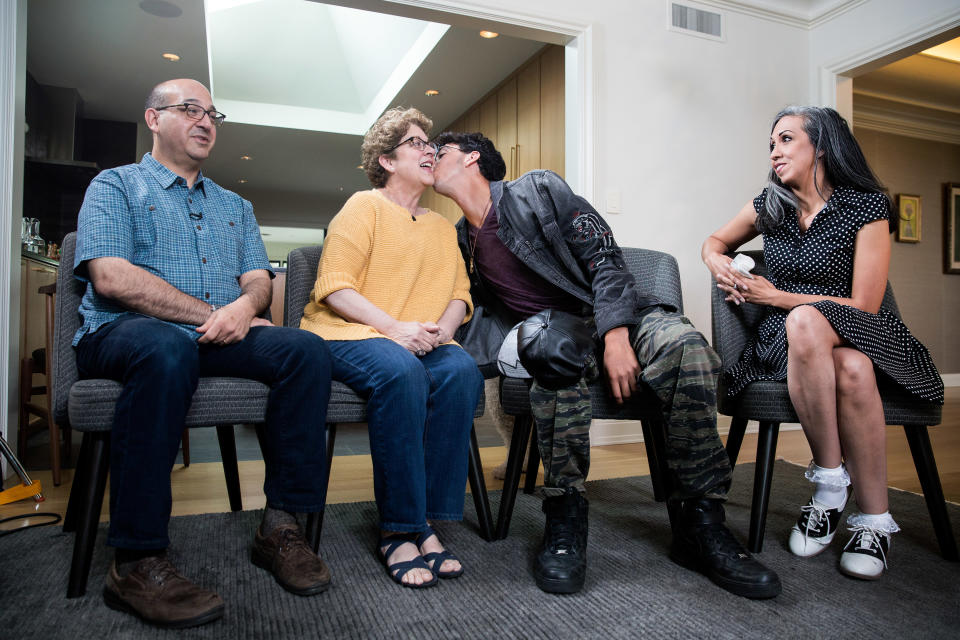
[431, 92]
[489, 34]
[172, 57]
[359, 166]
[242, 181]
[246, 158]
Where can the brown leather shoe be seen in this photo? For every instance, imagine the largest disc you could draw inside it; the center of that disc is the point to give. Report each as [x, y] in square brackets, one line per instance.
[156, 592]
[286, 554]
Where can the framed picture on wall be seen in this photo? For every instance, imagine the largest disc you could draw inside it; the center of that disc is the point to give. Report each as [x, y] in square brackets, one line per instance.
[951, 231]
[908, 222]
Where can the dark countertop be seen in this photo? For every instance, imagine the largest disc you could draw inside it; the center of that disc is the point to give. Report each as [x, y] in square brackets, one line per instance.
[50, 262]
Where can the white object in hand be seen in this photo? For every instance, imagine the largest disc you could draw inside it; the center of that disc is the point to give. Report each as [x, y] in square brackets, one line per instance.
[743, 263]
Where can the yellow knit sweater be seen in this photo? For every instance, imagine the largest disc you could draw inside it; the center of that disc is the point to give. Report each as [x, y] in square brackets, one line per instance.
[411, 269]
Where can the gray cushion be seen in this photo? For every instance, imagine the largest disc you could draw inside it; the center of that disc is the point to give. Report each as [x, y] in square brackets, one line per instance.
[216, 401]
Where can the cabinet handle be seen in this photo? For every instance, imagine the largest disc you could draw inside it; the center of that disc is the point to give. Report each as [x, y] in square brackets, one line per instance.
[517, 170]
[513, 163]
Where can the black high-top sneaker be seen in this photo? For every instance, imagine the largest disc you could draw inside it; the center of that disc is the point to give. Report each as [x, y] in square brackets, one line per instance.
[561, 565]
[703, 543]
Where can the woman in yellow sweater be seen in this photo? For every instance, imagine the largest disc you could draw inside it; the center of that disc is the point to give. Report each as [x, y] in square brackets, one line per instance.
[391, 290]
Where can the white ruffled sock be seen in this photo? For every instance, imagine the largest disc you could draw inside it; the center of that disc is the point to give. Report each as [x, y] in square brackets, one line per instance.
[831, 485]
[879, 521]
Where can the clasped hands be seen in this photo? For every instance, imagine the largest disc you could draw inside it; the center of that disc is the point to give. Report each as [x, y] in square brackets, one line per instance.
[420, 338]
[230, 323]
[738, 286]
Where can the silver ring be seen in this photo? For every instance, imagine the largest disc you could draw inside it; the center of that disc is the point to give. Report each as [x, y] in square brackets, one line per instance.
[421, 353]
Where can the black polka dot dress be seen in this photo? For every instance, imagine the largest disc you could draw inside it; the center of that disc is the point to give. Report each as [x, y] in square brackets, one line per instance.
[820, 262]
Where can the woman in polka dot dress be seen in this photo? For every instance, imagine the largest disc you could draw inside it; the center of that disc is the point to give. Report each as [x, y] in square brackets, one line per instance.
[825, 221]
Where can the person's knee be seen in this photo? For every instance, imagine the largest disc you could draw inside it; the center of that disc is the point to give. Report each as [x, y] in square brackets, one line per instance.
[167, 354]
[466, 372]
[805, 326]
[854, 372]
[303, 347]
[407, 373]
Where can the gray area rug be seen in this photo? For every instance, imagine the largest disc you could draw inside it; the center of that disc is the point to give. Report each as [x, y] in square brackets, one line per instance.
[633, 590]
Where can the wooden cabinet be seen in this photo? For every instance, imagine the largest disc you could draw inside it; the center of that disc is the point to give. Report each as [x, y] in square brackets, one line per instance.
[524, 117]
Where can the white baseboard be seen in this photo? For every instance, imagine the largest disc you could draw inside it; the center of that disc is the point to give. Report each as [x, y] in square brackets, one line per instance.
[604, 432]
[951, 379]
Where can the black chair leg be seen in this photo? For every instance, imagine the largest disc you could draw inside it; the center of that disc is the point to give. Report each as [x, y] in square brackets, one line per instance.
[315, 520]
[655, 441]
[87, 509]
[511, 481]
[478, 488]
[228, 454]
[738, 426]
[653, 461]
[919, 441]
[533, 464]
[80, 479]
[762, 479]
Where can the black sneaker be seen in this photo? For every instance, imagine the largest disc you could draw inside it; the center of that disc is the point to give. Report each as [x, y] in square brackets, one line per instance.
[703, 543]
[815, 529]
[865, 556]
[561, 565]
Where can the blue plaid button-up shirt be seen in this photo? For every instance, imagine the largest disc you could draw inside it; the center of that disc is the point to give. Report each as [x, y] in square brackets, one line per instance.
[200, 240]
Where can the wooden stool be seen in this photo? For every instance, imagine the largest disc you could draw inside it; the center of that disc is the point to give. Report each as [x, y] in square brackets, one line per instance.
[41, 361]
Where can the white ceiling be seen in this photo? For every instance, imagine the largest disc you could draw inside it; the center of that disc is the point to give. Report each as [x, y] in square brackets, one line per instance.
[110, 51]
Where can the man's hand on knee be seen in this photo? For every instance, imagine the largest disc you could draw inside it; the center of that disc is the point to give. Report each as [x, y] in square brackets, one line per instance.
[620, 363]
[227, 324]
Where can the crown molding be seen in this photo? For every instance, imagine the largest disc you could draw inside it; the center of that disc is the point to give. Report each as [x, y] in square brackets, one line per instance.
[786, 12]
[891, 119]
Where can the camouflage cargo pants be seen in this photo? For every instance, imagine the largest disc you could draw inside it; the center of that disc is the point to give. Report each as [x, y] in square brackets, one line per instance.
[681, 370]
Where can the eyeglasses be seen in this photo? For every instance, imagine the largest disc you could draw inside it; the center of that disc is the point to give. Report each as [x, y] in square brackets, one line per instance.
[443, 150]
[416, 142]
[196, 112]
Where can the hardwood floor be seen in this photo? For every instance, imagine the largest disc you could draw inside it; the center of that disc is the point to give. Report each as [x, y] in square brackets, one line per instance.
[200, 488]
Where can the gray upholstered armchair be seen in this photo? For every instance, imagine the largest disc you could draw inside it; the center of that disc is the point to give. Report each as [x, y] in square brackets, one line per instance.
[769, 404]
[347, 406]
[656, 272]
[88, 407]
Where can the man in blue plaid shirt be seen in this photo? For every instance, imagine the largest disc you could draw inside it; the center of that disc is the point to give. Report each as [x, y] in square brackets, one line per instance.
[177, 277]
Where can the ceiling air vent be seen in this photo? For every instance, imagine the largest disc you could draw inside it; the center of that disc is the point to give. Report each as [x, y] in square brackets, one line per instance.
[696, 21]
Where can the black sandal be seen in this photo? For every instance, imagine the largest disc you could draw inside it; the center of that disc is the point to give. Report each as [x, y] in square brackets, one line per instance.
[392, 542]
[435, 559]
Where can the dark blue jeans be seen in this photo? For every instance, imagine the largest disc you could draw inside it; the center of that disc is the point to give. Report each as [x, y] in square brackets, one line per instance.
[159, 366]
[419, 415]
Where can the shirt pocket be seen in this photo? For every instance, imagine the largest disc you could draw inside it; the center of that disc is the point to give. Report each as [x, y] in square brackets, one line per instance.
[228, 243]
[145, 223]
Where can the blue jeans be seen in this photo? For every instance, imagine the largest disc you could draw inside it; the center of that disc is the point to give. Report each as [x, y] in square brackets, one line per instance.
[419, 416]
[159, 366]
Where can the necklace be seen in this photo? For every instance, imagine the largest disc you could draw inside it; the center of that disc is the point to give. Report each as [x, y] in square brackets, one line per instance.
[476, 238]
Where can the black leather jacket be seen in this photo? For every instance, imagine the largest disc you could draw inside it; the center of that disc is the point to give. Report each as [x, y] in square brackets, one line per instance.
[563, 239]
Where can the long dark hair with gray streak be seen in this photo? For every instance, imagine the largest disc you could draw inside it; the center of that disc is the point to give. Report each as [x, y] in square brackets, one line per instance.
[837, 155]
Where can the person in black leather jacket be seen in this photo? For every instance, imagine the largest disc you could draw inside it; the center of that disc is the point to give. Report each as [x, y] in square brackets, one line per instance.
[532, 244]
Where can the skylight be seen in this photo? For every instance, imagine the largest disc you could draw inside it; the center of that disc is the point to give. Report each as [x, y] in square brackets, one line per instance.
[304, 65]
